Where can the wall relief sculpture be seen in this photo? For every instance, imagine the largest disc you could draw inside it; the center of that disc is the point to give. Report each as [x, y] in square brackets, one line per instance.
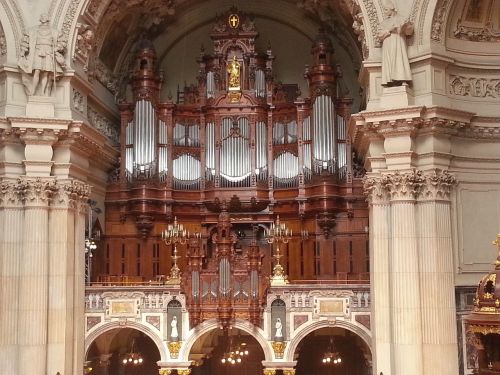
[393, 33]
[84, 44]
[474, 87]
[42, 58]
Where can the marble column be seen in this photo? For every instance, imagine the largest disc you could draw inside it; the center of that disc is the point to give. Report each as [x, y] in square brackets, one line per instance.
[379, 263]
[404, 287]
[11, 228]
[33, 277]
[62, 252]
[439, 332]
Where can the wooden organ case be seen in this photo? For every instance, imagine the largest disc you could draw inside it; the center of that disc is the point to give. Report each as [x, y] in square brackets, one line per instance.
[234, 151]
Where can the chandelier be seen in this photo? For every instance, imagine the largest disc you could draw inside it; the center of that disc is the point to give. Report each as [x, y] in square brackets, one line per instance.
[173, 235]
[133, 358]
[278, 233]
[236, 355]
[331, 357]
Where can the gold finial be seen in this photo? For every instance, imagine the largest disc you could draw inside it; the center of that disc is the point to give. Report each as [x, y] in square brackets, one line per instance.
[497, 243]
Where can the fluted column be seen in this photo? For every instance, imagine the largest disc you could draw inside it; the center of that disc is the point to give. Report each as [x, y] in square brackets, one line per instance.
[11, 228]
[33, 277]
[79, 280]
[405, 279]
[439, 333]
[62, 257]
[380, 277]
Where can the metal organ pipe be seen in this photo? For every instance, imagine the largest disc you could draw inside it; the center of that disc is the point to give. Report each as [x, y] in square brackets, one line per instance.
[210, 85]
[224, 277]
[341, 144]
[162, 152]
[261, 149]
[260, 84]
[235, 163]
[129, 151]
[144, 134]
[323, 129]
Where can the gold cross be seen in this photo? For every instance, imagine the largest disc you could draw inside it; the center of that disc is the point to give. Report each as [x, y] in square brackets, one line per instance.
[233, 21]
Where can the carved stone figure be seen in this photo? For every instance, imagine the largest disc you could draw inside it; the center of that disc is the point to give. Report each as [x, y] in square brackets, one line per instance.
[84, 42]
[42, 58]
[393, 32]
[279, 330]
[174, 333]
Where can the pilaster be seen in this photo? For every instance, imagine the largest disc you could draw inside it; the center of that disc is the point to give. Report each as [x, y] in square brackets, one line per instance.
[81, 207]
[62, 267]
[380, 219]
[439, 334]
[33, 276]
[11, 227]
[403, 264]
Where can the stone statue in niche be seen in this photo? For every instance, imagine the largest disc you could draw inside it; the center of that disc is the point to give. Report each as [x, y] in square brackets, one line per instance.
[42, 59]
[393, 33]
[278, 335]
[174, 332]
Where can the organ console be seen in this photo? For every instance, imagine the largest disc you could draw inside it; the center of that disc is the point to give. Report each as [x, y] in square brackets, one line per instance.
[234, 151]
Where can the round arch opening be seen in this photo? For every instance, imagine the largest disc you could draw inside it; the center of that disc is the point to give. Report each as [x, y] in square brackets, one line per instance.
[220, 352]
[122, 351]
[333, 350]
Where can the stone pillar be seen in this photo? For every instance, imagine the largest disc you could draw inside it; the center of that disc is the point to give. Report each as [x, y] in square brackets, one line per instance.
[62, 256]
[11, 229]
[439, 331]
[33, 277]
[380, 274]
[404, 289]
[269, 371]
[79, 278]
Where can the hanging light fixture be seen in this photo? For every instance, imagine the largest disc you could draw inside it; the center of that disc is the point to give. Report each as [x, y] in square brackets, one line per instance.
[331, 357]
[133, 358]
[234, 355]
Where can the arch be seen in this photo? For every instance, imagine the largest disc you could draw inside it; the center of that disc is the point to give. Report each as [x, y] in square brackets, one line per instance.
[209, 325]
[292, 346]
[92, 336]
[12, 21]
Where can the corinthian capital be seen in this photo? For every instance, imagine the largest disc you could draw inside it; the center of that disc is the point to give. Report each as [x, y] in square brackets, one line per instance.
[10, 194]
[438, 185]
[70, 193]
[37, 192]
[375, 190]
[403, 186]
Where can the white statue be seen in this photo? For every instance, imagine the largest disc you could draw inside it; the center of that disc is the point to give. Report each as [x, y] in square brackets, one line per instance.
[174, 333]
[279, 329]
[393, 32]
[42, 58]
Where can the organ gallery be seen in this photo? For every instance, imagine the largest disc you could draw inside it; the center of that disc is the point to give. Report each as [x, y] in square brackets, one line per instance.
[241, 150]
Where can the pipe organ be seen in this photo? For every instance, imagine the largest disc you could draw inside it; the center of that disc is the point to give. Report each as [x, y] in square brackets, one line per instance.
[238, 142]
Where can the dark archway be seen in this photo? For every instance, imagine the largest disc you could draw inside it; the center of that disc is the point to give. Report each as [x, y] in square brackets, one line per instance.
[209, 350]
[108, 352]
[354, 354]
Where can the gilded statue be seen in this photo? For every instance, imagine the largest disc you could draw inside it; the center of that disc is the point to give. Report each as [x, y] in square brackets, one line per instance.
[393, 33]
[233, 68]
[42, 58]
